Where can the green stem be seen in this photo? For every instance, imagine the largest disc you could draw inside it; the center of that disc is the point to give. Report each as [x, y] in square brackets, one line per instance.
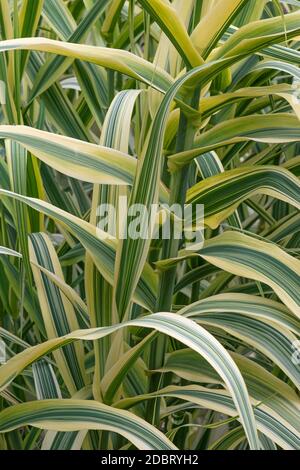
[170, 247]
[17, 60]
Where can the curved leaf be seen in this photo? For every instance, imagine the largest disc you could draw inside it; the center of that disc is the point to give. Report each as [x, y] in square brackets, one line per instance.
[221, 194]
[183, 329]
[75, 415]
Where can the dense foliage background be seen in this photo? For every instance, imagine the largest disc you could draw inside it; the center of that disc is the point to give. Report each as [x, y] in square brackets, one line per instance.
[114, 344]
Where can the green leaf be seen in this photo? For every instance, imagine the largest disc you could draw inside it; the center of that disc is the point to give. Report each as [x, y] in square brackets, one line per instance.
[75, 415]
[184, 330]
[221, 194]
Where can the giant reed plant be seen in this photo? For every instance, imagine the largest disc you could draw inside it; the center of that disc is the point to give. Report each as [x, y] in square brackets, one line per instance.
[119, 343]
